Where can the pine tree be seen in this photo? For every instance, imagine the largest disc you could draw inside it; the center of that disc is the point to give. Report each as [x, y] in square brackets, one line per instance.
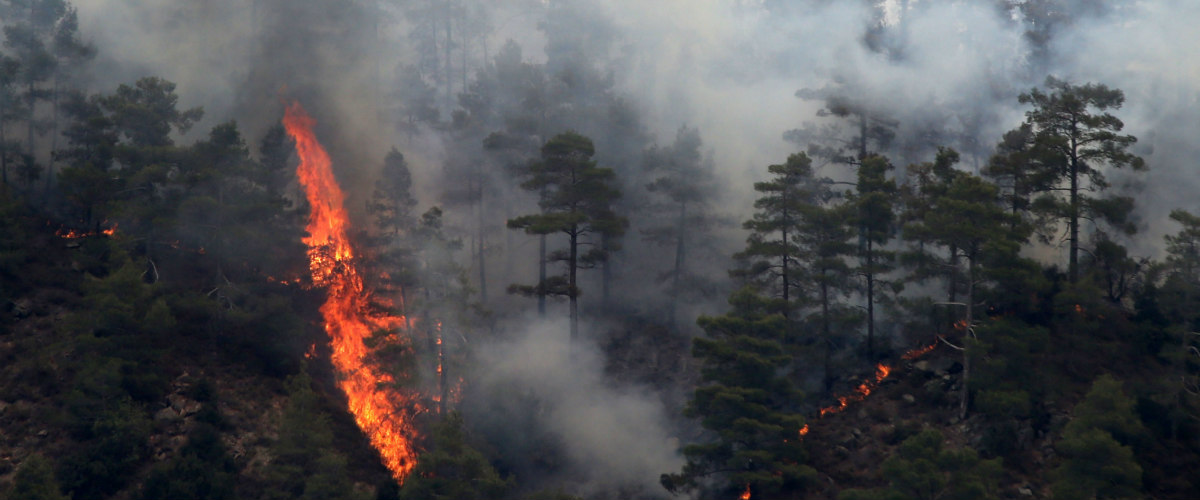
[685, 187]
[577, 202]
[875, 219]
[923, 468]
[968, 219]
[1075, 139]
[1097, 446]
[772, 258]
[452, 469]
[748, 401]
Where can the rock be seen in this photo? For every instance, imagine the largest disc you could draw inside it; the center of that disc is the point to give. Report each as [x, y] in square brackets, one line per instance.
[22, 307]
[909, 398]
[43, 433]
[1025, 492]
[177, 401]
[862, 413]
[857, 433]
[841, 451]
[166, 415]
[190, 408]
[922, 365]
[3, 406]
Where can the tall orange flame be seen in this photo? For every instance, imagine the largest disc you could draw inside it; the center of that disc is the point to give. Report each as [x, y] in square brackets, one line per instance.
[382, 411]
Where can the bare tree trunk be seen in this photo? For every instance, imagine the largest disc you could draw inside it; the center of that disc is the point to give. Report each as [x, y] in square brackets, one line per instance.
[679, 259]
[870, 300]
[483, 297]
[571, 292]
[542, 274]
[968, 334]
[1073, 265]
[826, 334]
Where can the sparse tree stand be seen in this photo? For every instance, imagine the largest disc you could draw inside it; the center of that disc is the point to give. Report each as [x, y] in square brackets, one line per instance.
[577, 198]
[1073, 140]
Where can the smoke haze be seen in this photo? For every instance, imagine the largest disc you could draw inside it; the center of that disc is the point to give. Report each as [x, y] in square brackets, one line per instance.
[946, 72]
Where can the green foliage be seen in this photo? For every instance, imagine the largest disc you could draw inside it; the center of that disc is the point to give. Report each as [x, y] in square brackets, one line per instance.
[203, 469]
[684, 191]
[114, 449]
[303, 463]
[750, 405]
[1074, 138]
[1097, 446]
[924, 469]
[875, 200]
[34, 480]
[772, 255]
[453, 470]
[12, 242]
[576, 198]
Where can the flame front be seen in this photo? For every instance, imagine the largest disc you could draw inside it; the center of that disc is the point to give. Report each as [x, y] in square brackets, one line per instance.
[382, 411]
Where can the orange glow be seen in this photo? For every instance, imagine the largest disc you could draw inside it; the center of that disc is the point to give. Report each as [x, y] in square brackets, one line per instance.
[861, 392]
[1078, 309]
[881, 372]
[71, 234]
[746, 494]
[918, 352]
[864, 389]
[383, 412]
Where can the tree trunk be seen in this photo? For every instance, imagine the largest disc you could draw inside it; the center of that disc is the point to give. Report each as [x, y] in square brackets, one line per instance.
[862, 136]
[53, 134]
[826, 333]
[3, 152]
[449, 74]
[968, 333]
[572, 291]
[483, 297]
[679, 259]
[541, 275]
[1073, 265]
[605, 274]
[787, 304]
[870, 301]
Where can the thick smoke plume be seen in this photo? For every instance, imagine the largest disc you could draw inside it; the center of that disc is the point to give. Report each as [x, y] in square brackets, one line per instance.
[560, 421]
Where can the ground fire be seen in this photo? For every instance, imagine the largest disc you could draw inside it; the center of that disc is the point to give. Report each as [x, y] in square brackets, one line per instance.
[383, 412]
[864, 389]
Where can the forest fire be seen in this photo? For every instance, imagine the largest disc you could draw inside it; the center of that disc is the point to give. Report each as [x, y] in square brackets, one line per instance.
[918, 352]
[381, 410]
[864, 389]
[71, 234]
[746, 494]
[861, 392]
